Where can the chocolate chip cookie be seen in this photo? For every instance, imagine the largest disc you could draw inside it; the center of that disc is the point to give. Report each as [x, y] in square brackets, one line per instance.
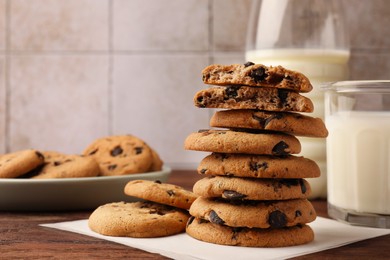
[291, 123]
[19, 163]
[163, 193]
[251, 189]
[157, 163]
[250, 237]
[258, 166]
[244, 97]
[137, 219]
[120, 155]
[58, 165]
[226, 141]
[254, 214]
[257, 75]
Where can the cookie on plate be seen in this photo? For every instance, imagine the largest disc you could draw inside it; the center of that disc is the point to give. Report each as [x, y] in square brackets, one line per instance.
[244, 97]
[227, 141]
[258, 166]
[19, 163]
[257, 75]
[59, 165]
[254, 214]
[163, 193]
[120, 155]
[137, 219]
[250, 237]
[290, 123]
[251, 189]
[157, 163]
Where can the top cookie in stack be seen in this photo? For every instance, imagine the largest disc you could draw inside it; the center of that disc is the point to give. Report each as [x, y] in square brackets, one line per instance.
[255, 194]
[254, 86]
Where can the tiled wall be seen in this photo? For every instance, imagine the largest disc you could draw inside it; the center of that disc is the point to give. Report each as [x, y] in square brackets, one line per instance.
[72, 71]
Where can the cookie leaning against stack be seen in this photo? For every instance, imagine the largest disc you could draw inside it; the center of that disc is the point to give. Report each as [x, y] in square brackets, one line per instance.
[162, 213]
[254, 193]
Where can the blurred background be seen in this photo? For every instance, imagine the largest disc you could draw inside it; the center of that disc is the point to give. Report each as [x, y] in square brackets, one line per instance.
[76, 70]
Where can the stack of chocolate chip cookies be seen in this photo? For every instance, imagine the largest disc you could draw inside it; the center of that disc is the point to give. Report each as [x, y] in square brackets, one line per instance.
[255, 193]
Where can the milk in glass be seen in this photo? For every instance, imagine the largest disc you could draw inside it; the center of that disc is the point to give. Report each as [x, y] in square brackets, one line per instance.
[357, 115]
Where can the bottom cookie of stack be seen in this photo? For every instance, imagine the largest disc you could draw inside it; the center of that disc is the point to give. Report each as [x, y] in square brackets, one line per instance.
[251, 223]
[250, 237]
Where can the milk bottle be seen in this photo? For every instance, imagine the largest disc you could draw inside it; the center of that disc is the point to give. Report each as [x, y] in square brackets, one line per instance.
[307, 36]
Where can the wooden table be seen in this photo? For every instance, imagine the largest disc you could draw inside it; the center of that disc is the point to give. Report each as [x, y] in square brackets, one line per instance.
[22, 238]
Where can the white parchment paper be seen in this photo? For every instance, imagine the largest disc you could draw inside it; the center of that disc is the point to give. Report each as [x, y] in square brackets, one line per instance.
[328, 234]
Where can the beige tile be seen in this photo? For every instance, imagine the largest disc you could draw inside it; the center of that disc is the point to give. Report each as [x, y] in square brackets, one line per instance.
[228, 57]
[58, 102]
[370, 65]
[368, 23]
[57, 25]
[230, 19]
[160, 25]
[153, 99]
[2, 24]
[2, 106]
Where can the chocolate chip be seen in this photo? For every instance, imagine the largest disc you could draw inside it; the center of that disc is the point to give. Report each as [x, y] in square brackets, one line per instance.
[214, 218]
[57, 163]
[231, 91]
[303, 187]
[203, 171]
[138, 150]
[255, 166]
[116, 151]
[170, 192]
[298, 213]
[199, 99]
[260, 120]
[40, 155]
[190, 220]
[277, 219]
[233, 195]
[249, 63]
[289, 182]
[157, 181]
[111, 167]
[282, 94]
[205, 77]
[201, 221]
[280, 148]
[258, 74]
[93, 152]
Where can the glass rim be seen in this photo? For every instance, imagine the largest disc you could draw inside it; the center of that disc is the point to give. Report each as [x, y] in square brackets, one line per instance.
[368, 86]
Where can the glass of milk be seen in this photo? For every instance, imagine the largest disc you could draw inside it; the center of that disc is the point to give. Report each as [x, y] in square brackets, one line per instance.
[308, 36]
[357, 115]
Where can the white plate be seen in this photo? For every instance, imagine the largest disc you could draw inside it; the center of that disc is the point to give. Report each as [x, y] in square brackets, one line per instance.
[69, 193]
